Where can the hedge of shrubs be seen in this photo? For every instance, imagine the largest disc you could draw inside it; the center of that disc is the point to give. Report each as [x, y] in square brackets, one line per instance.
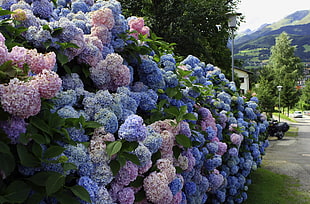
[95, 108]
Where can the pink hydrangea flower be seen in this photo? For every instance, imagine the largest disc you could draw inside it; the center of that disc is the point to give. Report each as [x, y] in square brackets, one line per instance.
[3, 50]
[156, 188]
[166, 166]
[232, 127]
[177, 198]
[102, 33]
[222, 148]
[137, 24]
[2, 39]
[94, 40]
[38, 61]
[48, 83]
[103, 17]
[18, 55]
[110, 73]
[236, 138]
[20, 99]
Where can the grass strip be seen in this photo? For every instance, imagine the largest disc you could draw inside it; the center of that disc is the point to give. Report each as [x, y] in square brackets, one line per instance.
[270, 188]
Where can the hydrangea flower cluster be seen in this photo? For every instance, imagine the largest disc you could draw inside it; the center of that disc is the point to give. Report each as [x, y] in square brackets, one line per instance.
[225, 146]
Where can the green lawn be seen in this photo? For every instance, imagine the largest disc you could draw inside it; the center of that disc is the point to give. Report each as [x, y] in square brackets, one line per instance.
[271, 188]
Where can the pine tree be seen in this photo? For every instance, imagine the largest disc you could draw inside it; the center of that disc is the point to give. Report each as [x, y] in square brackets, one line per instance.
[287, 70]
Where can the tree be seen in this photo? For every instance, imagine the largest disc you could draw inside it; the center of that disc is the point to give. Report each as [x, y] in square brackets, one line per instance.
[192, 25]
[304, 101]
[266, 91]
[287, 69]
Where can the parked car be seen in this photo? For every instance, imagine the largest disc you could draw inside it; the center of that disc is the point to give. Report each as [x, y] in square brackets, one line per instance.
[306, 112]
[297, 114]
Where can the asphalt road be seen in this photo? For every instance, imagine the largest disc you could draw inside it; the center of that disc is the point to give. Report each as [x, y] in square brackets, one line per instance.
[291, 155]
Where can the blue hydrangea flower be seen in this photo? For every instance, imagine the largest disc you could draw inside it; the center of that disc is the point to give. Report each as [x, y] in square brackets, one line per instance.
[79, 6]
[175, 186]
[143, 153]
[42, 8]
[190, 188]
[107, 119]
[133, 129]
[89, 185]
[191, 61]
[153, 140]
[63, 98]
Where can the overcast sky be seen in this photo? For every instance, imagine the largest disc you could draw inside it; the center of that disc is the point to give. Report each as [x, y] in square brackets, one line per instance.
[258, 12]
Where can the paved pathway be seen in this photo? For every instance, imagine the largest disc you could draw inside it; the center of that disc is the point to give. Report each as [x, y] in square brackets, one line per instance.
[291, 155]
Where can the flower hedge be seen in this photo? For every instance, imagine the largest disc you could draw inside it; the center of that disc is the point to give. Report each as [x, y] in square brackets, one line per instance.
[97, 109]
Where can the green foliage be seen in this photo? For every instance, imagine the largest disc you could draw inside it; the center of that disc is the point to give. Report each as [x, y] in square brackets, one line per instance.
[12, 33]
[192, 25]
[164, 110]
[122, 150]
[283, 69]
[143, 46]
[44, 130]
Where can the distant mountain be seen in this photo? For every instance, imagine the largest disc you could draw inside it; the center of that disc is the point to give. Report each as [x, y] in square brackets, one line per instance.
[254, 47]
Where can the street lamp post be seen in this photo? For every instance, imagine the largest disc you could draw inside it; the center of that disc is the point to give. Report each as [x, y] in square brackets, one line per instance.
[279, 89]
[232, 24]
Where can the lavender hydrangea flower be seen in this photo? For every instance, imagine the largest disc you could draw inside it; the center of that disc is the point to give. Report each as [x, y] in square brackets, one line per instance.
[13, 127]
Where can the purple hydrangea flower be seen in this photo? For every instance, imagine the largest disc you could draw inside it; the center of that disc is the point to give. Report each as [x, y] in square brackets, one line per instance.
[13, 127]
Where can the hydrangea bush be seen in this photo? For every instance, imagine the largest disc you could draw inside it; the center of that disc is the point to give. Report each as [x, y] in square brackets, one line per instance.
[97, 109]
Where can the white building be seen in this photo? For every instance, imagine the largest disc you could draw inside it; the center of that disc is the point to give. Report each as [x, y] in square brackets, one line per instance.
[244, 77]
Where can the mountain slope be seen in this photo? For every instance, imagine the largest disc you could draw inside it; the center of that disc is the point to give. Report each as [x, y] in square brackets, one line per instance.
[254, 48]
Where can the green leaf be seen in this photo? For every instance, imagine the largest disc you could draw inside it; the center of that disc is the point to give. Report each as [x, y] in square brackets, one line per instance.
[65, 197]
[46, 27]
[39, 178]
[67, 69]
[178, 169]
[176, 151]
[131, 157]
[7, 163]
[114, 147]
[115, 167]
[4, 148]
[172, 110]
[91, 124]
[129, 146]
[81, 192]
[66, 45]
[171, 92]
[40, 124]
[69, 166]
[5, 12]
[17, 192]
[138, 182]
[53, 151]
[34, 198]
[54, 183]
[26, 158]
[40, 139]
[140, 196]
[37, 150]
[183, 110]
[63, 59]
[121, 160]
[189, 116]
[183, 140]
